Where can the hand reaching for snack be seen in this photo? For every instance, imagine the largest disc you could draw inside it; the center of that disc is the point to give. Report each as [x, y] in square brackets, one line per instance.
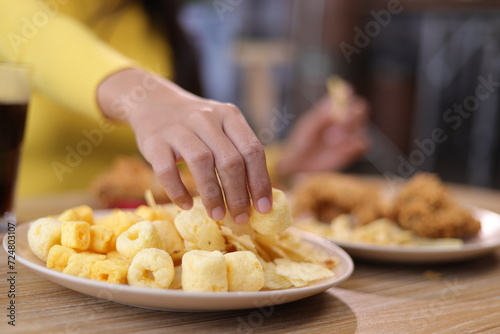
[215, 141]
[330, 136]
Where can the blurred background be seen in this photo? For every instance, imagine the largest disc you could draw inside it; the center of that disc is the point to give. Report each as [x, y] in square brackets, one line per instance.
[429, 70]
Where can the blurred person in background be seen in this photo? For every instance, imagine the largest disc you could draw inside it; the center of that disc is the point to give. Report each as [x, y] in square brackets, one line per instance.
[429, 71]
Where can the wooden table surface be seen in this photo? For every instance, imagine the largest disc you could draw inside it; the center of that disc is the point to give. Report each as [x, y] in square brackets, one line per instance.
[461, 297]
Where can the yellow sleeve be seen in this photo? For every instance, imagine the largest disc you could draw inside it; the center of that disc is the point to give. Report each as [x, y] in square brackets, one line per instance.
[67, 59]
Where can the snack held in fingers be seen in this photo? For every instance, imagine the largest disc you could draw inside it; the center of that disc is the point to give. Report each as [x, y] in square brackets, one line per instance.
[339, 92]
[277, 220]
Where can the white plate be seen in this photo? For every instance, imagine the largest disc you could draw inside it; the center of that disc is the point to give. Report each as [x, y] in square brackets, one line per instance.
[485, 242]
[176, 300]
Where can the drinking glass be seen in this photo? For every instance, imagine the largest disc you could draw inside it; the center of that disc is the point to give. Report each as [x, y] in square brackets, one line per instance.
[15, 93]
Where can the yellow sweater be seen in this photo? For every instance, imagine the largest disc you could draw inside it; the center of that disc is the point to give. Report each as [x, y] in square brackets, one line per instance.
[71, 48]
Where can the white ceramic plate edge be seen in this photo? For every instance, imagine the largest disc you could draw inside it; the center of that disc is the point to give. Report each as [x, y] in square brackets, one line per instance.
[487, 241]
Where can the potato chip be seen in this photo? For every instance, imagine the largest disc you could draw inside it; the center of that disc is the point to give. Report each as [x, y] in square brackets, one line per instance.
[273, 280]
[300, 272]
[172, 241]
[240, 242]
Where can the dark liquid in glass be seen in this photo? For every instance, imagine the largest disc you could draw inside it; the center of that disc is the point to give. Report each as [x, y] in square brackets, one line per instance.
[12, 122]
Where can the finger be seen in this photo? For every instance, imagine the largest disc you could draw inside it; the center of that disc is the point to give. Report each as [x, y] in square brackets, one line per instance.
[228, 160]
[305, 136]
[358, 112]
[162, 159]
[200, 161]
[254, 158]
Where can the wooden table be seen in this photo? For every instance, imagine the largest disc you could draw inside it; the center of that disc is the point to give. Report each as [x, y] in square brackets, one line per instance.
[459, 297]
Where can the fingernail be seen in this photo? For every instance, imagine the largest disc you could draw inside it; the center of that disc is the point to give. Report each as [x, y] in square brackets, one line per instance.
[264, 205]
[241, 218]
[218, 213]
[186, 205]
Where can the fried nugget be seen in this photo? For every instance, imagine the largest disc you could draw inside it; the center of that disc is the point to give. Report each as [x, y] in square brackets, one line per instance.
[425, 206]
[328, 195]
[127, 180]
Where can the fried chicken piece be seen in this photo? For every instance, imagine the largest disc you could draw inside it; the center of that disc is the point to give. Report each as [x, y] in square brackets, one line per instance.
[127, 181]
[328, 195]
[425, 206]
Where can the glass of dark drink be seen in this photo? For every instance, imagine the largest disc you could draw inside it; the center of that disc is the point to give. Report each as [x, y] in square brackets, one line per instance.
[15, 93]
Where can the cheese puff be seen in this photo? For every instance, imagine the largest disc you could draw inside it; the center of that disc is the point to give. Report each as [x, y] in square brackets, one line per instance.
[101, 239]
[277, 220]
[120, 262]
[76, 235]
[244, 271]
[120, 221]
[114, 254]
[82, 213]
[204, 271]
[199, 230]
[169, 211]
[42, 235]
[138, 237]
[80, 264]
[172, 241]
[58, 257]
[151, 268]
[148, 213]
[111, 271]
[69, 215]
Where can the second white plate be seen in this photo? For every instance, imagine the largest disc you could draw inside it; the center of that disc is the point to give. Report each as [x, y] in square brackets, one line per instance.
[485, 242]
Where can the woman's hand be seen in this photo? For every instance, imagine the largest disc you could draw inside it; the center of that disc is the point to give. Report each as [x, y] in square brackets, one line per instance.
[225, 157]
[319, 142]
